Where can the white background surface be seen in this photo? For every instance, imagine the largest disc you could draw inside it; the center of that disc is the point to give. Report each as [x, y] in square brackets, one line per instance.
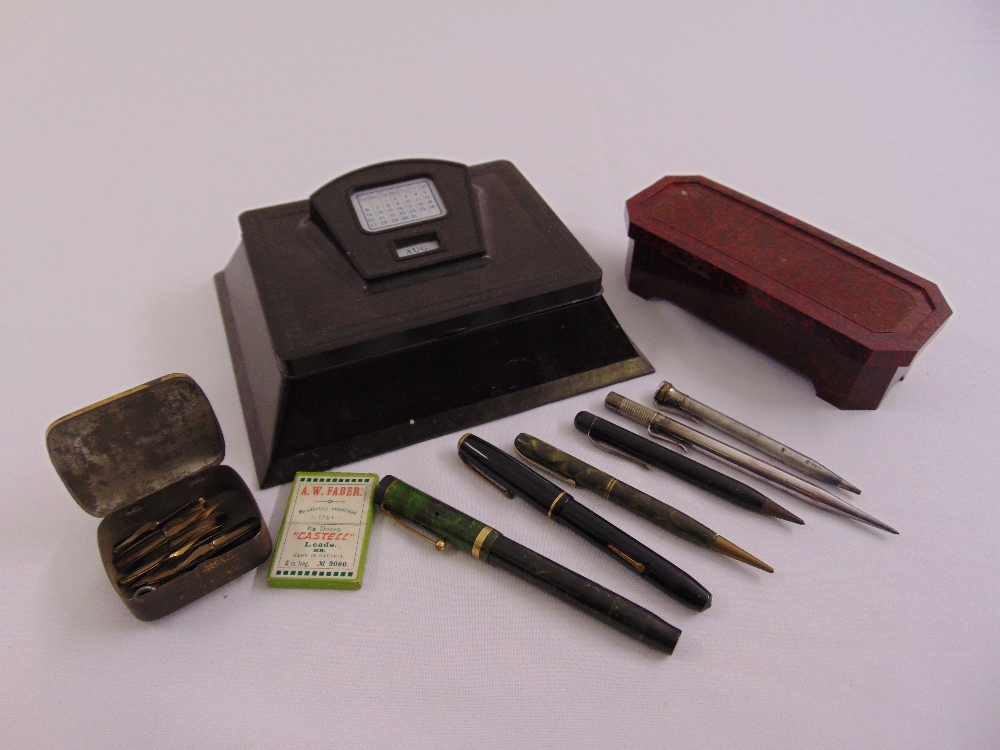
[131, 137]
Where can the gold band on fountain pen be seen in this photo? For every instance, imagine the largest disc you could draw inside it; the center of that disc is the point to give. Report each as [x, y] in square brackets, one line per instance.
[676, 432]
[672, 399]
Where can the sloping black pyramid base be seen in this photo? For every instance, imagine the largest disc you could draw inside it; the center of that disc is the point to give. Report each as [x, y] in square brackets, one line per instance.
[317, 421]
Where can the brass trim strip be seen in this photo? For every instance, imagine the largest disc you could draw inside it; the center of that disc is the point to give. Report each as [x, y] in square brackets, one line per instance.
[552, 507]
[607, 488]
[480, 538]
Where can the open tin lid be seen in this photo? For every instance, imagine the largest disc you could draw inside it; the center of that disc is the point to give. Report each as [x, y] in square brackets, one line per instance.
[118, 451]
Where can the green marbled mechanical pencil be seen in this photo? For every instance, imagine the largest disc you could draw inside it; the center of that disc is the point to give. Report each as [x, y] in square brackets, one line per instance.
[490, 546]
[582, 474]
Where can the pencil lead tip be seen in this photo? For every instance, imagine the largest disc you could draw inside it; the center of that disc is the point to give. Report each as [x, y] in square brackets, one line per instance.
[845, 485]
[727, 548]
[860, 515]
[879, 525]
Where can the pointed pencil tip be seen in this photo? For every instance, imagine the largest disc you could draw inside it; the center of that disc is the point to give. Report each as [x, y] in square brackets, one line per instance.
[771, 508]
[727, 548]
[851, 512]
[887, 527]
[877, 524]
[845, 485]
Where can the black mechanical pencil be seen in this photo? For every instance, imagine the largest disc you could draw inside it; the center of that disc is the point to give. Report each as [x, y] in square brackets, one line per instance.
[724, 486]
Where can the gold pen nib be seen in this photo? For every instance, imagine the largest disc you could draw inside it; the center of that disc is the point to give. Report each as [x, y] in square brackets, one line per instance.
[726, 547]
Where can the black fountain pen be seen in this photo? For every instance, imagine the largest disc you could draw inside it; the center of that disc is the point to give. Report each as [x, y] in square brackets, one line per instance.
[606, 433]
[512, 477]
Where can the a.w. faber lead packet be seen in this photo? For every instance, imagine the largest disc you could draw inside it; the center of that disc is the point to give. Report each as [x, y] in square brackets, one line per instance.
[324, 534]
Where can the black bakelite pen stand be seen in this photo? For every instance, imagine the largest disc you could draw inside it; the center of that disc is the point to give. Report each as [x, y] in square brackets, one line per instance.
[405, 301]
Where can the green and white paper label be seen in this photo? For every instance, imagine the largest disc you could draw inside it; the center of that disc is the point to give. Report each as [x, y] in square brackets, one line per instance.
[324, 535]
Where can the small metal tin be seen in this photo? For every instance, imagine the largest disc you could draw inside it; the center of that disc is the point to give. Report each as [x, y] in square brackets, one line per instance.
[137, 457]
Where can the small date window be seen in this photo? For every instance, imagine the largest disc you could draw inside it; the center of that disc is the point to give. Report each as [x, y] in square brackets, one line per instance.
[398, 205]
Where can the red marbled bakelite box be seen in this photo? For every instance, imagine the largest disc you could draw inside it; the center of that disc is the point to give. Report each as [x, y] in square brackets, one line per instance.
[849, 320]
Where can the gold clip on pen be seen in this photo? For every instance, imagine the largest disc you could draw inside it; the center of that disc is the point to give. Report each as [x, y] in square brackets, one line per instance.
[439, 543]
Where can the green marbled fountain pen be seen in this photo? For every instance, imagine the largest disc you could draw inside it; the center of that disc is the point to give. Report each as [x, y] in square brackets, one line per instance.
[490, 546]
[582, 474]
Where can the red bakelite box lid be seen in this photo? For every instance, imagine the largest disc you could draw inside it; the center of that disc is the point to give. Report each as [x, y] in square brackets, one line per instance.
[847, 319]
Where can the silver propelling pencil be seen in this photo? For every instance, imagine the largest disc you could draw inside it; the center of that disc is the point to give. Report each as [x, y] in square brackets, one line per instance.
[672, 430]
[670, 398]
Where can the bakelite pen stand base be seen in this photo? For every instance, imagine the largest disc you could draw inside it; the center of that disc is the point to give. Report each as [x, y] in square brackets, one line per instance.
[386, 402]
[333, 367]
